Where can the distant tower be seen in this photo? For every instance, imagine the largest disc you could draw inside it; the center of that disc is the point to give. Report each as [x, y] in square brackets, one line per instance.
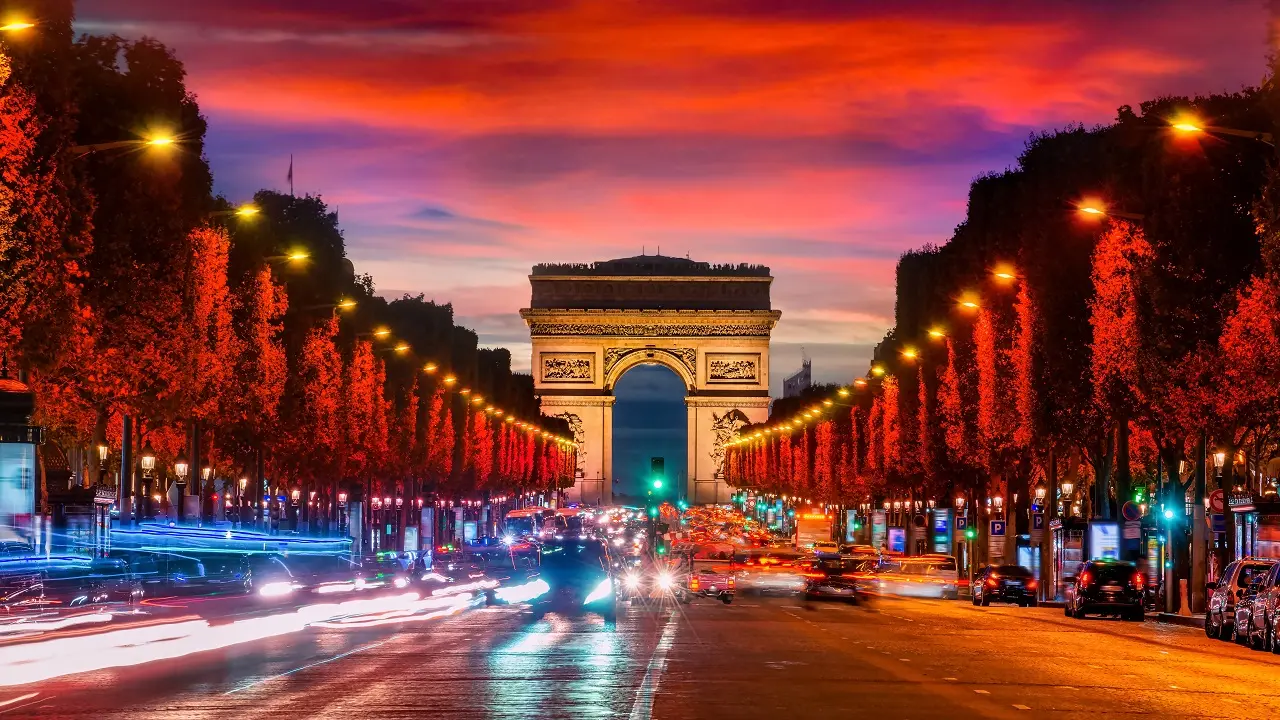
[795, 384]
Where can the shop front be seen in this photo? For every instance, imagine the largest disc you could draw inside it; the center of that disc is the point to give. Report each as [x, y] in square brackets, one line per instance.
[1257, 521]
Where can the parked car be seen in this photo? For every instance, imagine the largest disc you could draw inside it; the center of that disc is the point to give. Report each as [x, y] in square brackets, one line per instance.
[1256, 620]
[1004, 583]
[1220, 613]
[1107, 587]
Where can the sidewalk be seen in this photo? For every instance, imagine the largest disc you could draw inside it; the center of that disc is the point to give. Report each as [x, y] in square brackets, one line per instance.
[1185, 620]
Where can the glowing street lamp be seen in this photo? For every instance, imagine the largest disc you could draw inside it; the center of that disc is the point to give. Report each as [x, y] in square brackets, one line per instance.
[877, 370]
[910, 353]
[1192, 126]
[153, 141]
[937, 333]
[16, 26]
[1098, 210]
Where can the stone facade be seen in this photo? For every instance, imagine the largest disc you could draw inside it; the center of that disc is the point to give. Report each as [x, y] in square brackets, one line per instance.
[718, 347]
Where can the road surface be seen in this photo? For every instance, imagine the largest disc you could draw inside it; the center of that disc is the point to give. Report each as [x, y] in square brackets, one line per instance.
[757, 658]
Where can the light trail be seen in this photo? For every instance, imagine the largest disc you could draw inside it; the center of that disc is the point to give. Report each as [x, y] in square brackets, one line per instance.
[38, 661]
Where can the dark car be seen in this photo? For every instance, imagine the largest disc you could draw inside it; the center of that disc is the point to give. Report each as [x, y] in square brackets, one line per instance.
[837, 578]
[1006, 584]
[163, 573]
[578, 578]
[37, 582]
[1255, 622]
[1220, 614]
[1107, 587]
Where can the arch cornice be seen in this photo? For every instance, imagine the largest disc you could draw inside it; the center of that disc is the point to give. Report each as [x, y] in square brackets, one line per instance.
[682, 361]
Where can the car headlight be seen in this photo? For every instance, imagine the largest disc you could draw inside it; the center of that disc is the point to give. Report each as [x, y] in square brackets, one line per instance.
[602, 591]
[665, 581]
[632, 581]
[400, 582]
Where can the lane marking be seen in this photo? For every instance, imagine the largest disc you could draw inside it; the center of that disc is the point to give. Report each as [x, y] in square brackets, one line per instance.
[904, 659]
[952, 679]
[20, 698]
[305, 667]
[642, 709]
[1022, 707]
[37, 701]
[982, 692]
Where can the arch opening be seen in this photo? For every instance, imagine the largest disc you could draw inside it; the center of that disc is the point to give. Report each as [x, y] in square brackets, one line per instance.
[650, 420]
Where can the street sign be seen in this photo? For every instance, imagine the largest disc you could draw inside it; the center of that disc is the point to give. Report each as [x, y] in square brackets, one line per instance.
[962, 523]
[997, 528]
[1037, 528]
[1216, 501]
[1131, 512]
[1132, 530]
[1218, 523]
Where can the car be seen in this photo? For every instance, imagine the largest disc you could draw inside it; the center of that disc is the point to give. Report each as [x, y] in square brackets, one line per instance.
[1255, 618]
[838, 578]
[1107, 587]
[769, 571]
[1220, 612]
[712, 582]
[826, 548]
[930, 576]
[578, 579]
[1004, 583]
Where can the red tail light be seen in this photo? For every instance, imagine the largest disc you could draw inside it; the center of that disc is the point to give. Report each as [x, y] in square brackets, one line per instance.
[731, 583]
[693, 583]
[992, 581]
[1137, 581]
[1085, 578]
[1031, 584]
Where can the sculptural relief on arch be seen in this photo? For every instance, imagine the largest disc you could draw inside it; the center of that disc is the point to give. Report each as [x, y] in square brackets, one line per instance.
[709, 324]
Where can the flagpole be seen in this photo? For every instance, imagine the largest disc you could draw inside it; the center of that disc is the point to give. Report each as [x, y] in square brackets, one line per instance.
[290, 174]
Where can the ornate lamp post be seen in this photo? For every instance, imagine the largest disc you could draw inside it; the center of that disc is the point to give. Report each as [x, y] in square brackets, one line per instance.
[180, 468]
[148, 463]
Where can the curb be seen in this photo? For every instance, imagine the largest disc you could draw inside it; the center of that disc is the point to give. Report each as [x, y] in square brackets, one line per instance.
[1196, 621]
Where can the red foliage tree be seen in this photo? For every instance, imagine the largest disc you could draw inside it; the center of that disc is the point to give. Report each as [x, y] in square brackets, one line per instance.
[891, 431]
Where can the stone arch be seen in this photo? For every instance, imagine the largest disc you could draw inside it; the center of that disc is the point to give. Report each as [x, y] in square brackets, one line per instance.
[683, 363]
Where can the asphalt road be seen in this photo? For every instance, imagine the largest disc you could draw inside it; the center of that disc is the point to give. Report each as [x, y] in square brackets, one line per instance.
[757, 658]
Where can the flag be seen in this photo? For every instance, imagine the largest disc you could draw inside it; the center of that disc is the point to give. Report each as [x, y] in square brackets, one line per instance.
[290, 176]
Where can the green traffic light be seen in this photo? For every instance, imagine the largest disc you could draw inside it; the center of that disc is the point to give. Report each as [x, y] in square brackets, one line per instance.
[657, 484]
[970, 533]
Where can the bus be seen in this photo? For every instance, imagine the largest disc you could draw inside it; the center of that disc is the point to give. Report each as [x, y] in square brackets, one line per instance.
[525, 522]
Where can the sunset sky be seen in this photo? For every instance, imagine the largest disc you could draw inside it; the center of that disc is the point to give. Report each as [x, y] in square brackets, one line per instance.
[465, 140]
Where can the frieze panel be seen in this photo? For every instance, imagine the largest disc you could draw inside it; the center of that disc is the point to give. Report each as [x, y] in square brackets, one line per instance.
[568, 367]
[733, 368]
[752, 329]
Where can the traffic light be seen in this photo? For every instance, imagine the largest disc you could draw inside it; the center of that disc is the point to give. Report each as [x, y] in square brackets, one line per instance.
[653, 511]
[970, 533]
[657, 483]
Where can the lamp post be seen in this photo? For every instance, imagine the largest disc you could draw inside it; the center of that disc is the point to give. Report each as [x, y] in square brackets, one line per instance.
[148, 462]
[180, 468]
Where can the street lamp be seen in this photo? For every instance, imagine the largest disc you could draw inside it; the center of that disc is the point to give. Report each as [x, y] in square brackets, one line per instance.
[1098, 210]
[1192, 126]
[148, 460]
[16, 26]
[1041, 491]
[153, 141]
[959, 503]
[180, 468]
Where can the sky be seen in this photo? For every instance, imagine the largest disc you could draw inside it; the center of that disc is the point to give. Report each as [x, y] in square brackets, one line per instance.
[463, 141]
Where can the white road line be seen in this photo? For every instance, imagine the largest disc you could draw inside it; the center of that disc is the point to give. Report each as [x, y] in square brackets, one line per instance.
[642, 709]
[952, 679]
[1022, 707]
[20, 698]
[983, 692]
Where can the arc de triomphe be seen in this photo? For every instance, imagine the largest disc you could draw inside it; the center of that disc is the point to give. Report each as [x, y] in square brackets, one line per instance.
[710, 324]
